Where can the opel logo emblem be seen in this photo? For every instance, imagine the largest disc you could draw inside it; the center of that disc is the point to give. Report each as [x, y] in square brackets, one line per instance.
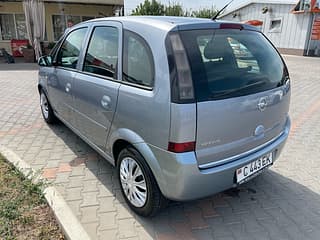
[262, 104]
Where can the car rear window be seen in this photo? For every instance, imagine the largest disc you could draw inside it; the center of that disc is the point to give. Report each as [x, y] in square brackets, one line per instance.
[229, 63]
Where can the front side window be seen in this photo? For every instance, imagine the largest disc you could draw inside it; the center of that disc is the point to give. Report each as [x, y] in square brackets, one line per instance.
[102, 54]
[229, 63]
[138, 65]
[68, 54]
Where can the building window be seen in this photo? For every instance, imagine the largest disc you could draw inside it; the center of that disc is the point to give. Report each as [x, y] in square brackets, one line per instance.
[304, 5]
[62, 22]
[72, 20]
[21, 26]
[307, 5]
[59, 26]
[12, 26]
[275, 25]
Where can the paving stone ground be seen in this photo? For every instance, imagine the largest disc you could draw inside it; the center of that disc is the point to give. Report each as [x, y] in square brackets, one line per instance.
[281, 203]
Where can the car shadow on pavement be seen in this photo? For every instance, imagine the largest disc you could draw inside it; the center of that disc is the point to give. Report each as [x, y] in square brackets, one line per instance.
[271, 206]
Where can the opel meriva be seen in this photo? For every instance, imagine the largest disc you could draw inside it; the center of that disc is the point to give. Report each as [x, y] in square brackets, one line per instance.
[183, 107]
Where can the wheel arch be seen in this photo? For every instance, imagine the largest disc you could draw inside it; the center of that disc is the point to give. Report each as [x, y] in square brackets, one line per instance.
[41, 87]
[123, 138]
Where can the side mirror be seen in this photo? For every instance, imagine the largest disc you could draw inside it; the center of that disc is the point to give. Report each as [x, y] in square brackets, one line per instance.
[45, 61]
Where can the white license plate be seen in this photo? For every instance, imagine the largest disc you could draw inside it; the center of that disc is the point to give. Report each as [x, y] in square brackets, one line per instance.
[244, 173]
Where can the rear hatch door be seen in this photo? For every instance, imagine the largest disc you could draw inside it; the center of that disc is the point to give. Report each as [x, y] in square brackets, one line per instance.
[242, 92]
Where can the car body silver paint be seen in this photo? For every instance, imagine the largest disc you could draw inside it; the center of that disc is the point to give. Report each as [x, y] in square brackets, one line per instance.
[144, 117]
[58, 81]
[91, 117]
[148, 109]
[216, 120]
[104, 154]
[185, 181]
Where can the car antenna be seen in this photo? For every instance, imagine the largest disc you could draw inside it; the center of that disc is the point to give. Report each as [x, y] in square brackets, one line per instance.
[221, 10]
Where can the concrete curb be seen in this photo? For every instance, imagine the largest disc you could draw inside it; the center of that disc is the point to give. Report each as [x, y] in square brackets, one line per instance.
[70, 225]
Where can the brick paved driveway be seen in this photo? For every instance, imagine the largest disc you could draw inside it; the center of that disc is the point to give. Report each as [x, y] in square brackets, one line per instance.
[282, 203]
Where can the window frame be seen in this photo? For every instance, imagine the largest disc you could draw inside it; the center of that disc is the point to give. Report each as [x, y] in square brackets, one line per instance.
[91, 26]
[150, 53]
[87, 48]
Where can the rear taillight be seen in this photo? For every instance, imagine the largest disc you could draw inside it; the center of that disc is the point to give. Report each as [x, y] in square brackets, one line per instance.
[185, 84]
[181, 147]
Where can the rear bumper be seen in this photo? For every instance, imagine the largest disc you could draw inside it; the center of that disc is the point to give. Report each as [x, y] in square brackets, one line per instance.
[183, 180]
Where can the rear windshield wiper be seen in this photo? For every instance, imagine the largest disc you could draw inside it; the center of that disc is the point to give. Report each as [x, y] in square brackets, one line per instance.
[217, 95]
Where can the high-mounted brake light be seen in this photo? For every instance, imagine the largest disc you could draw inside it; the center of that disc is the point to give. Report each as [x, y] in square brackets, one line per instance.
[231, 26]
[185, 83]
[181, 147]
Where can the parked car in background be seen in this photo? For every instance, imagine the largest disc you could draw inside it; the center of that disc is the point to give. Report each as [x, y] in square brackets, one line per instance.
[171, 102]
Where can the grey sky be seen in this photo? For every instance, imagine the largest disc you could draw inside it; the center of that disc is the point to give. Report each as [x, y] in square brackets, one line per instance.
[188, 4]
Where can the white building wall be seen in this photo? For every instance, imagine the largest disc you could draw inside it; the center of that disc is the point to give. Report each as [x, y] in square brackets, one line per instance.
[294, 29]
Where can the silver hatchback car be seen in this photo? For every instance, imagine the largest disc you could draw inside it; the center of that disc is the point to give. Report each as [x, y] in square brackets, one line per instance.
[183, 107]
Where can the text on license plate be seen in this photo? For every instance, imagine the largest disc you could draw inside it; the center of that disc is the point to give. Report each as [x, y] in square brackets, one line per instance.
[253, 167]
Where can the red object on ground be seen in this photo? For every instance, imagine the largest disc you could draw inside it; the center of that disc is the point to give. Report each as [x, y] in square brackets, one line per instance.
[254, 22]
[17, 45]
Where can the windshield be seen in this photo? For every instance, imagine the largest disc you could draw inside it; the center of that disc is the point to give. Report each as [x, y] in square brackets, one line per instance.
[229, 63]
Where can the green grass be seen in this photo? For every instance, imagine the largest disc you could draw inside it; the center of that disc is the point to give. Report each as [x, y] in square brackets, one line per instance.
[24, 213]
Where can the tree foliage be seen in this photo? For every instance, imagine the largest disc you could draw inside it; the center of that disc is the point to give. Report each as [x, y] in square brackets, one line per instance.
[174, 9]
[204, 12]
[149, 8]
[153, 7]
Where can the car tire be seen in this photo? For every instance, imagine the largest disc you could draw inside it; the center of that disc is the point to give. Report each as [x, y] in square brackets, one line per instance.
[144, 199]
[46, 109]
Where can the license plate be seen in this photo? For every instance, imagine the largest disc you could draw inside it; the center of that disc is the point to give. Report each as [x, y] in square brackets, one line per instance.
[250, 170]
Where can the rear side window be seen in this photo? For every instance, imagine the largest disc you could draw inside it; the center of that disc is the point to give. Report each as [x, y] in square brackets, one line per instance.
[229, 63]
[138, 66]
[102, 54]
[68, 54]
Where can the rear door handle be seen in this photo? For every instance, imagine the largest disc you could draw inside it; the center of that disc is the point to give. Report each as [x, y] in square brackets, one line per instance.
[68, 87]
[106, 102]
